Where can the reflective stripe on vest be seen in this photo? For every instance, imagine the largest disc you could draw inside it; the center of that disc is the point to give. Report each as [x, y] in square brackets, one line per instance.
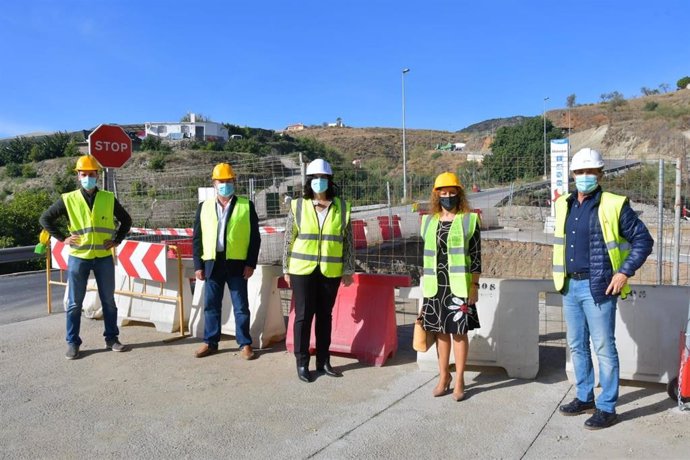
[609, 217]
[237, 230]
[461, 230]
[313, 246]
[94, 226]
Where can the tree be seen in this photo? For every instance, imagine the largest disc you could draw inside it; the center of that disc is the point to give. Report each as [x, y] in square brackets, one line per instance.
[198, 118]
[683, 82]
[518, 151]
[648, 92]
[664, 87]
[570, 101]
[16, 151]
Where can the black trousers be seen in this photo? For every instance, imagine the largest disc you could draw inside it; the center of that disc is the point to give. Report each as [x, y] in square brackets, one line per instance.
[314, 295]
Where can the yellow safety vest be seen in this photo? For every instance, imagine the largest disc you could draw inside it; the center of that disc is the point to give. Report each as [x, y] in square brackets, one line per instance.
[95, 226]
[609, 216]
[237, 230]
[461, 230]
[313, 246]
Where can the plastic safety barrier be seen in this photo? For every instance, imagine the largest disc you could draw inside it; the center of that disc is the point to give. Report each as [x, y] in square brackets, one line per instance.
[390, 227]
[509, 334]
[359, 234]
[648, 322]
[364, 324]
[267, 324]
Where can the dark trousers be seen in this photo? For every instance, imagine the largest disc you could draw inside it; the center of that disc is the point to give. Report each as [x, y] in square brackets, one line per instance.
[314, 295]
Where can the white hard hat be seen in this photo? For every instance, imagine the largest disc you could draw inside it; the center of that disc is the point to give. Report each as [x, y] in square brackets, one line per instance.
[319, 166]
[586, 159]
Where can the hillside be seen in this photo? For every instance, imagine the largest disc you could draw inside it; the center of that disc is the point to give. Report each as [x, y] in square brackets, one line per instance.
[650, 127]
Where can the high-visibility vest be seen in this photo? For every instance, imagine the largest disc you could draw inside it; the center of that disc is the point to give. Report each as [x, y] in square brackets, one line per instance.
[459, 276]
[318, 246]
[609, 215]
[237, 230]
[94, 226]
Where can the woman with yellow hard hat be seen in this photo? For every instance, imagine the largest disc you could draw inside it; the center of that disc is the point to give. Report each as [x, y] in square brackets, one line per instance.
[450, 281]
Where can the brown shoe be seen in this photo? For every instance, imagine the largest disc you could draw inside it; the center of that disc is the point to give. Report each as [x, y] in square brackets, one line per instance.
[205, 350]
[247, 353]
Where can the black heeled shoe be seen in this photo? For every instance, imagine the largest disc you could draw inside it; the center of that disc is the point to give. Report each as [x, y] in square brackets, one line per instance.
[303, 373]
[327, 369]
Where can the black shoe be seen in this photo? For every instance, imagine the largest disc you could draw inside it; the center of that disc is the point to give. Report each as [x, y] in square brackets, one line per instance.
[576, 407]
[303, 374]
[328, 370]
[72, 351]
[601, 419]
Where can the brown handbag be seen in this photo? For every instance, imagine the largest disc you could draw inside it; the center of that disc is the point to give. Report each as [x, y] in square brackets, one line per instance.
[422, 340]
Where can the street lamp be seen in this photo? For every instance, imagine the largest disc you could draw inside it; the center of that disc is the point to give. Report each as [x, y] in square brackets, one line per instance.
[404, 150]
[544, 117]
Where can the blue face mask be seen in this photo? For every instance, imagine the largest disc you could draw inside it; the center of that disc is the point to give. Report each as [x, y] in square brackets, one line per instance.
[586, 183]
[88, 182]
[225, 189]
[319, 185]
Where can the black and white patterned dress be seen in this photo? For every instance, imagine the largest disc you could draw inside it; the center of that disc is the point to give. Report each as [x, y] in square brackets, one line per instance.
[446, 313]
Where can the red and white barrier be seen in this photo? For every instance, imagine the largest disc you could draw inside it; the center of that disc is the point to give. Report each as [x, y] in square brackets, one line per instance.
[143, 260]
[59, 254]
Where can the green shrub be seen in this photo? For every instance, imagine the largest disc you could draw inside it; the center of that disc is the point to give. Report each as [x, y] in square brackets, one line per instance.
[157, 162]
[651, 106]
[29, 171]
[13, 170]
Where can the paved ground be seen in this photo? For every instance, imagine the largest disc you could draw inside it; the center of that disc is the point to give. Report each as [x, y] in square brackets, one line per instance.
[158, 401]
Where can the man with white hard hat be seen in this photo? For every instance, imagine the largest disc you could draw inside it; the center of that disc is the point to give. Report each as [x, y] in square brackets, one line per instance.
[599, 243]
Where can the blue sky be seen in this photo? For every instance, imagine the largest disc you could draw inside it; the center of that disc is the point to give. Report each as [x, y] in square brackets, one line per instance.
[70, 65]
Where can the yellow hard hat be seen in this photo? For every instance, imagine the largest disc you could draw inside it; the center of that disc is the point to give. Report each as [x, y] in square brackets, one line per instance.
[223, 171]
[447, 179]
[87, 163]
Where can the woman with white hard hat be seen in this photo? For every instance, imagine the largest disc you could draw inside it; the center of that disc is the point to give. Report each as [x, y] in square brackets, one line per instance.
[318, 255]
[450, 284]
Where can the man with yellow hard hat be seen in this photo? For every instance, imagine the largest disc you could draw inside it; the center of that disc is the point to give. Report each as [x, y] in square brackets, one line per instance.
[92, 215]
[226, 245]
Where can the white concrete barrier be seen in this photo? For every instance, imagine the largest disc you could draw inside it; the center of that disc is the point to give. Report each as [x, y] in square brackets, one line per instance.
[373, 232]
[91, 306]
[509, 333]
[163, 313]
[267, 324]
[648, 326]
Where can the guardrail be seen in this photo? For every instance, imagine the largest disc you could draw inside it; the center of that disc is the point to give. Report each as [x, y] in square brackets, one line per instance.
[18, 254]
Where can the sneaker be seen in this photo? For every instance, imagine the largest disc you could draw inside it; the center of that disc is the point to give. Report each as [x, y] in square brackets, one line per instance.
[601, 419]
[115, 345]
[72, 351]
[576, 407]
[247, 353]
[205, 350]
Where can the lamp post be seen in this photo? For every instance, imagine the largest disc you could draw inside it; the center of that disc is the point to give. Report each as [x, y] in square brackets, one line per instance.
[404, 147]
[544, 117]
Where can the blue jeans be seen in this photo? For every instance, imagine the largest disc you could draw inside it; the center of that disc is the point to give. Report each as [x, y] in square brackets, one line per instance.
[586, 319]
[77, 277]
[215, 285]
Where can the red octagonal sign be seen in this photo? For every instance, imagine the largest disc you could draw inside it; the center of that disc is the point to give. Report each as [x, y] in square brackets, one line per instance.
[110, 145]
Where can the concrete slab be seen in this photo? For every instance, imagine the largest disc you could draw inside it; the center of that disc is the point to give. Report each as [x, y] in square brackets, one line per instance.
[158, 401]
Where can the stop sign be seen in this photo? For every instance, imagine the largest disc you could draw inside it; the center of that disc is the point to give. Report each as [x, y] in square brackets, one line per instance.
[110, 145]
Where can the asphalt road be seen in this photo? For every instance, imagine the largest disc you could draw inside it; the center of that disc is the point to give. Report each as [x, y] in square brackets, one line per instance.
[23, 297]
